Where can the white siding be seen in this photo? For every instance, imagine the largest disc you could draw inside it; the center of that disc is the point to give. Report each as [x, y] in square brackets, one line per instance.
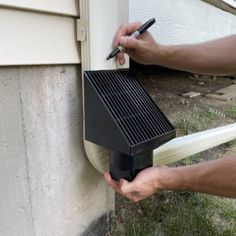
[67, 7]
[227, 5]
[28, 38]
[183, 21]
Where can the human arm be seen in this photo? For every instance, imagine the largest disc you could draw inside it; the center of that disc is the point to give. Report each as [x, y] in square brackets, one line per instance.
[214, 57]
[216, 177]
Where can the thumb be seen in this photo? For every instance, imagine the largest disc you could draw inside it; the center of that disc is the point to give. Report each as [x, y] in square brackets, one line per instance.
[126, 187]
[129, 42]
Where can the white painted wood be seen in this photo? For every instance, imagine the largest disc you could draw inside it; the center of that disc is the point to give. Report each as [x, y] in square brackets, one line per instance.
[103, 18]
[65, 7]
[183, 21]
[34, 39]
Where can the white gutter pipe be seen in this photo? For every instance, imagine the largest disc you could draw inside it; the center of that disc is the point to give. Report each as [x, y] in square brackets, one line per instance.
[182, 147]
[178, 148]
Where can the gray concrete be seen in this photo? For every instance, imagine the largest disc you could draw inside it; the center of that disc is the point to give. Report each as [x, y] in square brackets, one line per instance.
[47, 186]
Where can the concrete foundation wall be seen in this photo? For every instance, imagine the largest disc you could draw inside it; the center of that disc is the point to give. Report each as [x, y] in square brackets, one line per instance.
[183, 21]
[47, 186]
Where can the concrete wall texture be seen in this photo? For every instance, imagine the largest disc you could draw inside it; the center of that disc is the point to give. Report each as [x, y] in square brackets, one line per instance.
[47, 186]
[183, 21]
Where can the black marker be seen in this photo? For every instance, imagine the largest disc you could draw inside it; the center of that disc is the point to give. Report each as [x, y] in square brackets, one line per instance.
[136, 34]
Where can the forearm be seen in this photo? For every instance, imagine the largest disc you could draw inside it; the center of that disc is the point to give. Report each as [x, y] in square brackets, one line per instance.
[216, 177]
[214, 57]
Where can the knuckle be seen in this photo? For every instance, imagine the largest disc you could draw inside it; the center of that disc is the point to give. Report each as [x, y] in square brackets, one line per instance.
[122, 190]
[131, 43]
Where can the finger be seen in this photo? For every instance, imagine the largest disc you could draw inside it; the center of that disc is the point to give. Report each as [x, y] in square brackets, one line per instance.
[135, 199]
[132, 197]
[126, 30]
[121, 58]
[128, 42]
[126, 187]
[112, 183]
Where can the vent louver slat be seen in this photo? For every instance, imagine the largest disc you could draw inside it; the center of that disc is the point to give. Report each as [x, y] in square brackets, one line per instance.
[131, 107]
[120, 115]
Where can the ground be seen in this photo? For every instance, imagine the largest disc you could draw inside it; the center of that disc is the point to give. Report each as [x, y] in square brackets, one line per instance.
[182, 214]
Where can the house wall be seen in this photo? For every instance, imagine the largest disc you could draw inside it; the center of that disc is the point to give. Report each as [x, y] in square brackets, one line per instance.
[33, 38]
[183, 21]
[62, 7]
[47, 185]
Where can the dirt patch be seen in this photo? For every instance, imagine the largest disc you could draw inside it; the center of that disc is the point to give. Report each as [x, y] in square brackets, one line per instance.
[166, 88]
[183, 213]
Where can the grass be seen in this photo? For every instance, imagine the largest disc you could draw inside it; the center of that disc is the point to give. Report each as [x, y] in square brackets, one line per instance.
[195, 214]
[195, 121]
[191, 160]
[177, 214]
[180, 214]
[231, 110]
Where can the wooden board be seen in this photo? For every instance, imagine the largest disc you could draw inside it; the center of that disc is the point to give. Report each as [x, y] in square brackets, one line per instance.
[226, 5]
[102, 19]
[65, 7]
[28, 38]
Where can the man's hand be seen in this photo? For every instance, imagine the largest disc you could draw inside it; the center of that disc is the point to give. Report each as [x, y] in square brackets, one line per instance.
[216, 177]
[144, 185]
[213, 57]
[141, 50]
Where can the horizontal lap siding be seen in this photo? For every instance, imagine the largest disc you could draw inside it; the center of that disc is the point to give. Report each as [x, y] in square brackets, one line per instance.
[183, 21]
[28, 38]
[65, 7]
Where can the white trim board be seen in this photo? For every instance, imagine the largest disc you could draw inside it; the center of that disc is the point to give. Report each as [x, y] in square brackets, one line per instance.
[102, 19]
[64, 7]
[28, 38]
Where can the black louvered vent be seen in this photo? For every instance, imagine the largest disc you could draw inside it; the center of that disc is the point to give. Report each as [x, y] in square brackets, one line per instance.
[120, 115]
